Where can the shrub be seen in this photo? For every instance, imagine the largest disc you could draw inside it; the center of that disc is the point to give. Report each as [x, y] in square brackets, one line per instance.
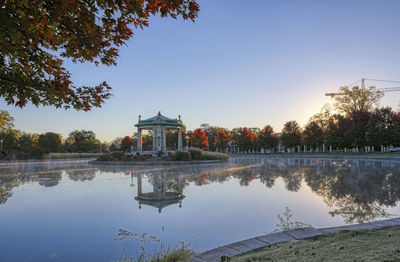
[182, 155]
[206, 155]
[122, 156]
[105, 157]
[36, 153]
[195, 152]
[114, 156]
[18, 155]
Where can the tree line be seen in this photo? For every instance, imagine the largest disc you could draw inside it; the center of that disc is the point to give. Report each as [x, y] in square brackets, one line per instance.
[355, 121]
[375, 128]
[16, 144]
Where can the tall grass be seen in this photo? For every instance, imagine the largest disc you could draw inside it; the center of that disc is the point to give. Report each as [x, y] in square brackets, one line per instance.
[181, 252]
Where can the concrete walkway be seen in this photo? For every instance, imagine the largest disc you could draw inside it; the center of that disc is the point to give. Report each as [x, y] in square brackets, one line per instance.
[317, 156]
[252, 244]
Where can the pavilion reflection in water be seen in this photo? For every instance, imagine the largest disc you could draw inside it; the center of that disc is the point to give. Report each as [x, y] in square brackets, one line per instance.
[164, 194]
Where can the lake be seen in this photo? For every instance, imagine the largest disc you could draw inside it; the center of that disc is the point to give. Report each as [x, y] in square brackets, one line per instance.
[72, 210]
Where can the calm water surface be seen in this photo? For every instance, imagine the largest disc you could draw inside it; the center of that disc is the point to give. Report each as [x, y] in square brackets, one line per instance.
[72, 211]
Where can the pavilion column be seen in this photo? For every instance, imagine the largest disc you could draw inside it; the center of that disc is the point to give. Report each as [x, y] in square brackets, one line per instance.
[154, 139]
[164, 140]
[179, 139]
[139, 184]
[139, 140]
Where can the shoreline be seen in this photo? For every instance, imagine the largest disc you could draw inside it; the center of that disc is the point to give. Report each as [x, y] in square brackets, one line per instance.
[356, 156]
[257, 243]
[158, 163]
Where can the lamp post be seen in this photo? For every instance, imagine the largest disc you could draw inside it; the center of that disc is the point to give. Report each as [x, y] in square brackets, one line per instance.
[187, 142]
[132, 184]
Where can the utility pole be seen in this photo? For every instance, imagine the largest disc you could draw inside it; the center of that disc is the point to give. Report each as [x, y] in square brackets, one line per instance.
[363, 84]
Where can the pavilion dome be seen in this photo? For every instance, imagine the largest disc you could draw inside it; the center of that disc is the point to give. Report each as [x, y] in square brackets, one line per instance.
[159, 119]
[152, 199]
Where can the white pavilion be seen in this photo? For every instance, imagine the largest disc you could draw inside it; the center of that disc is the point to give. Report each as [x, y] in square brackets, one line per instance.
[158, 125]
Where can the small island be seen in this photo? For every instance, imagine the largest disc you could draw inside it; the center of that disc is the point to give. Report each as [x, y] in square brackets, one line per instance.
[190, 156]
[159, 153]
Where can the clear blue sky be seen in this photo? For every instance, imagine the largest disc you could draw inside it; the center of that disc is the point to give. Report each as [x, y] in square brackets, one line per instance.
[242, 63]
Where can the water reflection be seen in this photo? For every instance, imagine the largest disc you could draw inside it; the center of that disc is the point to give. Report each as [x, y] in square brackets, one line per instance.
[46, 173]
[165, 191]
[357, 190]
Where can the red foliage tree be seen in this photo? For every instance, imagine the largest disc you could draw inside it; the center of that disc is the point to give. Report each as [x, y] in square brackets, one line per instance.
[244, 138]
[198, 138]
[36, 37]
[126, 143]
[221, 140]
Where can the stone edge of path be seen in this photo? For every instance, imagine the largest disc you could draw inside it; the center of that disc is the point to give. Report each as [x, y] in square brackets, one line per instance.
[255, 243]
[158, 163]
[317, 157]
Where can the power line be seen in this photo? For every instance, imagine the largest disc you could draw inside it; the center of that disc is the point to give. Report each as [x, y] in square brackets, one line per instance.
[354, 83]
[379, 80]
[387, 89]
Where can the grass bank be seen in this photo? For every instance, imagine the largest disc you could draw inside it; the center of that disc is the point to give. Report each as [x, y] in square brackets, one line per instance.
[70, 155]
[364, 245]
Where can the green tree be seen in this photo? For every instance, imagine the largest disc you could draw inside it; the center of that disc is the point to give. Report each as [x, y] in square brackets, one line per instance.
[338, 133]
[358, 127]
[384, 128]
[267, 138]
[172, 137]
[313, 134]
[116, 144]
[35, 37]
[28, 142]
[6, 120]
[291, 134]
[83, 141]
[10, 139]
[211, 133]
[50, 142]
[322, 117]
[357, 99]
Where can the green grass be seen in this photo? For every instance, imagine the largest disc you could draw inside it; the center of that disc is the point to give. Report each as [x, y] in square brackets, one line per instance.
[366, 245]
[177, 254]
